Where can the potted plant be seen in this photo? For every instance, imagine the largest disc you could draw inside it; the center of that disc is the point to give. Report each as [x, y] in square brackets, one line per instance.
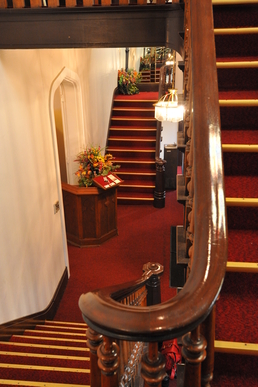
[91, 164]
[127, 81]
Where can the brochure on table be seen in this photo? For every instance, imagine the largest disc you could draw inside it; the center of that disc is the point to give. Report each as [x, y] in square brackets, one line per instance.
[109, 181]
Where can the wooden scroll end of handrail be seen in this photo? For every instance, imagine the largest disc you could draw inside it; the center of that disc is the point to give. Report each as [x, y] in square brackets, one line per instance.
[18, 4]
[3, 4]
[35, 3]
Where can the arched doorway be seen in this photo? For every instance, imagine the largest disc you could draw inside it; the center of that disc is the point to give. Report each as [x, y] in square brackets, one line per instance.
[67, 125]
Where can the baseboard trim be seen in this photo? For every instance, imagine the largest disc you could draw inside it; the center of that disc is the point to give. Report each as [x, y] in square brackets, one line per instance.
[29, 322]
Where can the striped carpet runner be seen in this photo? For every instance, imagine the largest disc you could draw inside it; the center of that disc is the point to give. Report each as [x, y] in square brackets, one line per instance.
[236, 37]
[132, 141]
[54, 354]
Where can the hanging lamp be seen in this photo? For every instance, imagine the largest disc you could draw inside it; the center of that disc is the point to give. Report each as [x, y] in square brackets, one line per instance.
[168, 109]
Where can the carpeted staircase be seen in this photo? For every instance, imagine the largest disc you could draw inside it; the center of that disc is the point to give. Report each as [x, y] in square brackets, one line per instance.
[52, 354]
[132, 141]
[236, 38]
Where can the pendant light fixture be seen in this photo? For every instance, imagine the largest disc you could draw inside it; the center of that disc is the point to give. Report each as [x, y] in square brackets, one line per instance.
[168, 109]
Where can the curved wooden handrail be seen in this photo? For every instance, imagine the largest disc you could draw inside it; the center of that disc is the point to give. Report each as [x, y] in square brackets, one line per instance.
[193, 303]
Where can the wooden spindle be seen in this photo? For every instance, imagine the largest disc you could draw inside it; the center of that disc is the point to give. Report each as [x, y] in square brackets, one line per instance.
[53, 3]
[153, 367]
[94, 340]
[35, 3]
[18, 4]
[108, 362]
[208, 331]
[70, 3]
[194, 353]
[87, 3]
[3, 3]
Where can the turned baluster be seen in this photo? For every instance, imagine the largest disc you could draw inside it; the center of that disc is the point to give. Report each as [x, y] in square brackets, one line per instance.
[108, 362]
[194, 353]
[94, 340]
[153, 367]
[208, 331]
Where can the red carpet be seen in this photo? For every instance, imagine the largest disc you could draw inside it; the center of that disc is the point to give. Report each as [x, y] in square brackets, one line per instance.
[237, 307]
[144, 236]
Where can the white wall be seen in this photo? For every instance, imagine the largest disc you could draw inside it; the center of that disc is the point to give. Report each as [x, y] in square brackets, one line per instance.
[32, 258]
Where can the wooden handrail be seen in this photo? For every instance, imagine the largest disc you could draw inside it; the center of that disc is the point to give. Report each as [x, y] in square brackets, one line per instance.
[194, 302]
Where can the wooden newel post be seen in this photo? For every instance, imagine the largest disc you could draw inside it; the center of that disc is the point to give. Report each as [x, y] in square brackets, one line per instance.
[159, 192]
[153, 271]
[153, 367]
[108, 362]
[194, 353]
[94, 340]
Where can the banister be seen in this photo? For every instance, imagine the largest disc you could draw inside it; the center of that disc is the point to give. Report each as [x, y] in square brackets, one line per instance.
[194, 302]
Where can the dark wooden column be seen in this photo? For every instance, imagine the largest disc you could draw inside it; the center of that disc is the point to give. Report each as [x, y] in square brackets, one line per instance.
[160, 193]
[153, 285]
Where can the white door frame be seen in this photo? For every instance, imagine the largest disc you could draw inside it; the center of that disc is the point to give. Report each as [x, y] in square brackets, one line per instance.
[72, 77]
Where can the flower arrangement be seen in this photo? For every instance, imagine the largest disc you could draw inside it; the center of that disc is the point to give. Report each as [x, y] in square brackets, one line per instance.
[145, 63]
[92, 164]
[127, 81]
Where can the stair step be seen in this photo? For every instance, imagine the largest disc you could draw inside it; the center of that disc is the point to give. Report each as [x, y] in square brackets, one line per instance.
[123, 149]
[233, 2]
[65, 323]
[26, 383]
[238, 102]
[242, 202]
[236, 31]
[44, 356]
[240, 148]
[134, 139]
[132, 129]
[50, 349]
[236, 347]
[136, 173]
[29, 338]
[135, 118]
[133, 184]
[238, 306]
[237, 64]
[242, 267]
[249, 253]
[54, 333]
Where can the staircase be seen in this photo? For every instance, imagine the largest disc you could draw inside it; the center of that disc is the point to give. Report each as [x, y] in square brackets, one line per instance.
[52, 354]
[132, 141]
[236, 38]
